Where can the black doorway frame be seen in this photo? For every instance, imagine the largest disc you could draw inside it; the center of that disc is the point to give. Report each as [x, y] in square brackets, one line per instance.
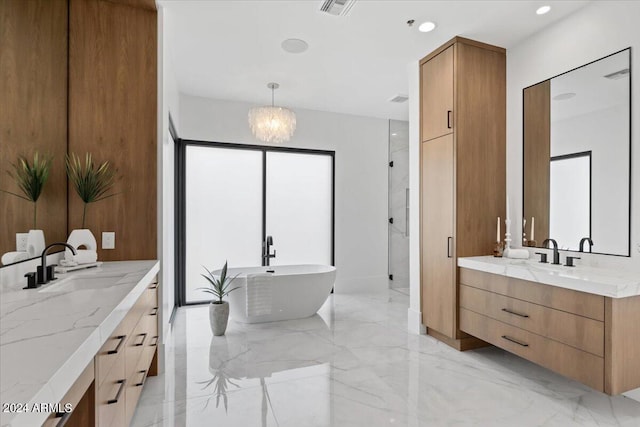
[180, 200]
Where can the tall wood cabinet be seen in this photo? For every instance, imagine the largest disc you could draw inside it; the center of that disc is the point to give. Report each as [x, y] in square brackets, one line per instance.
[462, 172]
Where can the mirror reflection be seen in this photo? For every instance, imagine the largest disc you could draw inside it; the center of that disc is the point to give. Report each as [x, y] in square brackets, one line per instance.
[577, 158]
[33, 84]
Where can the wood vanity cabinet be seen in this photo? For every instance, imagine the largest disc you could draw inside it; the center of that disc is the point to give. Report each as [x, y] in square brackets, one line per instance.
[81, 398]
[589, 338]
[125, 360]
[462, 172]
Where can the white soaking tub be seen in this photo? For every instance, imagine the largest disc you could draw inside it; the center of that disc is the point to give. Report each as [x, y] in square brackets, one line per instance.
[281, 292]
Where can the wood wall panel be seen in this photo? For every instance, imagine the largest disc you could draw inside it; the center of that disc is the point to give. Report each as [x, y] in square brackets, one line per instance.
[480, 148]
[33, 111]
[537, 154]
[113, 115]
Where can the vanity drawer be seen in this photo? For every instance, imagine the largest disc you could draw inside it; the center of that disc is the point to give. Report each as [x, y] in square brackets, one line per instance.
[577, 331]
[152, 343]
[136, 344]
[135, 383]
[561, 358]
[583, 304]
[110, 397]
[116, 344]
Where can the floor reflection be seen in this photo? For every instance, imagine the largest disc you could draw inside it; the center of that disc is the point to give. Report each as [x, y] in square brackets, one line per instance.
[354, 364]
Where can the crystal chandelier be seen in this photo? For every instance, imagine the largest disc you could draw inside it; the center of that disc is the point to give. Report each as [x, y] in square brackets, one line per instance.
[271, 123]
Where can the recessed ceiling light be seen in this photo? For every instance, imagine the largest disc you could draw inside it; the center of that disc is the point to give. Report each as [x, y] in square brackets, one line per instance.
[543, 9]
[564, 96]
[425, 27]
[294, 45]
[394, 134]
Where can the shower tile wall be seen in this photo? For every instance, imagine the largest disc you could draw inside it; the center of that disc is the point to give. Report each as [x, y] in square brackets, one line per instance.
[398, 203]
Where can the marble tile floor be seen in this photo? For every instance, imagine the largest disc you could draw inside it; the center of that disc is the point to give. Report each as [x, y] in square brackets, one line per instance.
[354, 364]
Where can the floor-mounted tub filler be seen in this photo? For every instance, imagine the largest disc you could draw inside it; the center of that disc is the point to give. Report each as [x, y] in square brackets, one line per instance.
[281, 292]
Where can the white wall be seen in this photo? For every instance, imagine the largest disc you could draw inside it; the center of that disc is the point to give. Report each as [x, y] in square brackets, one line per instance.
[414, 315]
[361, 146]
[597, 30]
[168, 102]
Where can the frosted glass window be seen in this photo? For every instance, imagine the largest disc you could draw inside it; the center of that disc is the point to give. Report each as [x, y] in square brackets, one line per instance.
[223, 212]
[570, 200]
[299, 207]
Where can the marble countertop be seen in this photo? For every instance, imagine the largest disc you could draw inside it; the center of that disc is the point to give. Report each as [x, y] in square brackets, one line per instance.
[48, 337]
[600, 281]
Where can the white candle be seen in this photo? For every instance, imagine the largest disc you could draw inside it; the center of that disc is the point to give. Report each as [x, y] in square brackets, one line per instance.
[533, 225]
[508, 216]
[498, 231]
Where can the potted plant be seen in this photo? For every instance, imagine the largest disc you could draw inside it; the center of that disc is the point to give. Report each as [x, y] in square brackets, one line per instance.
[219, 287]
[31, 178]
[92, 182]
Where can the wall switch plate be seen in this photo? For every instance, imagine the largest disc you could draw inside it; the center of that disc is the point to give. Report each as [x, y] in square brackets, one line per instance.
[638, 248]
[21, 241]
[108, 240]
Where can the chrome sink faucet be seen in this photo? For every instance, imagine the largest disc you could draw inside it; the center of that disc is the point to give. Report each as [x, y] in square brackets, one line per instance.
[266, 250]
[556, 254]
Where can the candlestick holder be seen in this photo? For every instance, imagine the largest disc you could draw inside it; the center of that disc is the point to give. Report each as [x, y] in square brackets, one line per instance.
[507, 238]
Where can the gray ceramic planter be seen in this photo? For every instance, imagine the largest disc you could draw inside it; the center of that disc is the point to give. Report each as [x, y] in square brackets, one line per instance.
[219, 317]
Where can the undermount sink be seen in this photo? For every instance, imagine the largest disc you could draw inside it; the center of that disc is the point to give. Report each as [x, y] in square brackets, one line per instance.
[79, 283]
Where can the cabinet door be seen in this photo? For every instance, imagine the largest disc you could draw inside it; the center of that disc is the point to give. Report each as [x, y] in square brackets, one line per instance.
[438, 258]
[437, 95]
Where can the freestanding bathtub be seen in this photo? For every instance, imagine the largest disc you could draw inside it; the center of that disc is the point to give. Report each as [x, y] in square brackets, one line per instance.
[280, 292]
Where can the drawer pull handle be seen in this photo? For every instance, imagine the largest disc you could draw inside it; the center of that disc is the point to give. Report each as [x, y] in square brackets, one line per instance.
[155, 343]
[115, 399]
[144, 378]
[515, 313]
[64, 417]
[144, 338]
[449, 249]
[513, 340]
[121, 339]
[153, 286]
[449, 119]
[154, 311]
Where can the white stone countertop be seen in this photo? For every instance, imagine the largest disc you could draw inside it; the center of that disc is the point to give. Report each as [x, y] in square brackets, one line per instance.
[600, 281]
[48, 337]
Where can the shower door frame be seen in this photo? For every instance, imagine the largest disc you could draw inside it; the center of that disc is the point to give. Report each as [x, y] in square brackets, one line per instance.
[180, 164]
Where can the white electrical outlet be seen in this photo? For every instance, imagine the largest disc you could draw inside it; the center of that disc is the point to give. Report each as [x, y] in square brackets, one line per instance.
[108, 240]
[21, 241]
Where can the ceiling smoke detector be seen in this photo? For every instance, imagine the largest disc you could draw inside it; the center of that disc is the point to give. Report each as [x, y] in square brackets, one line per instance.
[337, 7]
[294, 45]
[400, 98]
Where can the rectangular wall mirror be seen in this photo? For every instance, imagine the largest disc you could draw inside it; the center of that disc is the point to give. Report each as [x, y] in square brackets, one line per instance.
[577, 158]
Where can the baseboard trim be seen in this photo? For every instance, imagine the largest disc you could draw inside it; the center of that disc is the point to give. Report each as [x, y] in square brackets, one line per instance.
[462, 344]
[414, 322]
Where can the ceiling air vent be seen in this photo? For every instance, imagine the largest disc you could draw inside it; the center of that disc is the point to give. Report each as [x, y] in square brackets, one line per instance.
[337, 7]
[399, 98]
[618, 74]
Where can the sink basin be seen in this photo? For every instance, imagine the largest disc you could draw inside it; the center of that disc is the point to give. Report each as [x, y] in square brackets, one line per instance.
[79, 283]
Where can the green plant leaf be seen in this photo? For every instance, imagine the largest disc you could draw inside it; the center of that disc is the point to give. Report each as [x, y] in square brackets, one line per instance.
[218, 287]
[30, 178]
